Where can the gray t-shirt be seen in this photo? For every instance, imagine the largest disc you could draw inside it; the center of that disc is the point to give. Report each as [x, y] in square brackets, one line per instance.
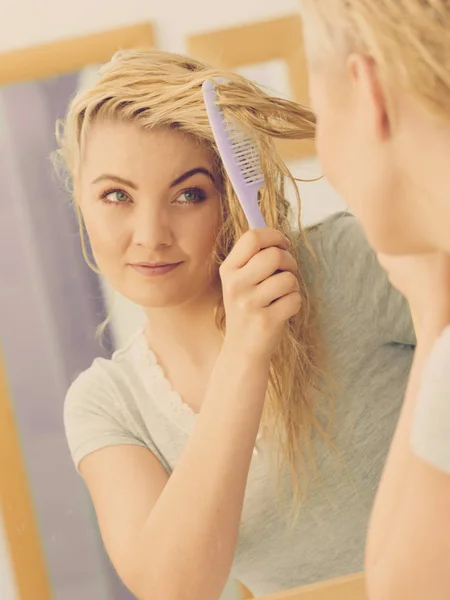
[368, 330]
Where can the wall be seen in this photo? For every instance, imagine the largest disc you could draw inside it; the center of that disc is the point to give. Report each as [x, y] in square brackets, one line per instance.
[27, 22]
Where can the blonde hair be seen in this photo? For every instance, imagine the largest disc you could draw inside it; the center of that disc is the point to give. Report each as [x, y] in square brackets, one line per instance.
[156, 89]
[408, 40]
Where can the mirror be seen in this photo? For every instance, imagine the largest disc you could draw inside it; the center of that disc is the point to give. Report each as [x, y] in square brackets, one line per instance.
[55, 551]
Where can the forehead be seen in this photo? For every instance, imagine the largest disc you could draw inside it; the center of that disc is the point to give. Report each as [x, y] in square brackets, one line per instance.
[115, 147]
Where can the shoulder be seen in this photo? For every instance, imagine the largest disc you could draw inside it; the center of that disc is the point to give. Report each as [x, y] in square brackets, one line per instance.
[98, 379]
[336, 258]
[353, 283]
[100, 408]
[340, 241]
[104, 386]
[345, 260]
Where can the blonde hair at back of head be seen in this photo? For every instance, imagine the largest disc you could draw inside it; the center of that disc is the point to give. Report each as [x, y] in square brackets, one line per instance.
[157, 89]
[408, 39]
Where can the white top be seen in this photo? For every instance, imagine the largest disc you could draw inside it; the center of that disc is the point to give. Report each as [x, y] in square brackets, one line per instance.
[368, 331]
[431, 426]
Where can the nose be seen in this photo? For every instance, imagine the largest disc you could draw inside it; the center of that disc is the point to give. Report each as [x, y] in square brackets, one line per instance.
[151, 227]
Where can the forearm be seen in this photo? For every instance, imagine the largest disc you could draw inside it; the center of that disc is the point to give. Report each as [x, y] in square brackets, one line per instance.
[413, 562]
[396, 469]
[196, 519]
[403, 513]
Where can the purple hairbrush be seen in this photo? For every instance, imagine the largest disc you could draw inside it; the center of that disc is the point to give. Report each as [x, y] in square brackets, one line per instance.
[239, 155]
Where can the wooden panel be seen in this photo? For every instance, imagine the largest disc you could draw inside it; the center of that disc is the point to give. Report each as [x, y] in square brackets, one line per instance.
[346, 588]
[245, 593]
[66, 56]
[277, 39]
[16, 504]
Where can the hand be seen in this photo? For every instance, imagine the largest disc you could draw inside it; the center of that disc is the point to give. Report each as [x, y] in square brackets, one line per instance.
[424, 280]
[260, 291]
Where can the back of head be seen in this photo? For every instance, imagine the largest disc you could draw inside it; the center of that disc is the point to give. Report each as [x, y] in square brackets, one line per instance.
[408, 39]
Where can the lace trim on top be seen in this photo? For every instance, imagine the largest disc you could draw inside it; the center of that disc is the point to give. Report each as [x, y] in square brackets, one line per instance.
[168, 401]
[165, 397]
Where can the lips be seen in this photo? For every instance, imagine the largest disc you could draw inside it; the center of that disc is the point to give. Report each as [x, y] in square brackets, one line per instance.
[154, 269]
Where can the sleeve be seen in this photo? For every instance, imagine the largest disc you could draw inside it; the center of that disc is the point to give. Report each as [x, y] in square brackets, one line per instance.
[431, 421]
[94, 414]
[363, 285]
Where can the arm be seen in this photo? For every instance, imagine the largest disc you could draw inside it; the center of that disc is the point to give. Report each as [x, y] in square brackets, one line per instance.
[175, 538]
[408, 543]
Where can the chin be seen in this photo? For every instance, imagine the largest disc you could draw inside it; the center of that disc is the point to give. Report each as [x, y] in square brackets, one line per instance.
[158, 299]
[164, 292]
[171, 296]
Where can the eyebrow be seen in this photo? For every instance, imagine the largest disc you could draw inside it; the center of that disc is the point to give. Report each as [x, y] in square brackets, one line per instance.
[117, 179]
[175, 182]
[191, 173]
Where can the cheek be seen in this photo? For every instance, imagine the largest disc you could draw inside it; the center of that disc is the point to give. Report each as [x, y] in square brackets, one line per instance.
[206, 242]
[328, 133]
[197, 233]
[204, 224]
[105, 231]
[330, 149]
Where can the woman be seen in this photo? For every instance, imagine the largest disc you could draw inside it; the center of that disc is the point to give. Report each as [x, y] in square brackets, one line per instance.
[380, 86]
[208, 449]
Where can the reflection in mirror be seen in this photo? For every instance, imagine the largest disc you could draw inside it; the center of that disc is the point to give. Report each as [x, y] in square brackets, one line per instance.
[171, 435]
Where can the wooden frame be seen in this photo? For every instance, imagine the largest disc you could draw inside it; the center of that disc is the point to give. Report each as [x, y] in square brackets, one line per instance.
[344, 588]
[244, 592]
[277, 39]
[16, 504]
[66, 56]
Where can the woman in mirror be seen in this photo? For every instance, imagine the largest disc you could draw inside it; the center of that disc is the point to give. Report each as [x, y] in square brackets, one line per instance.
[243, 429]
[380, 88]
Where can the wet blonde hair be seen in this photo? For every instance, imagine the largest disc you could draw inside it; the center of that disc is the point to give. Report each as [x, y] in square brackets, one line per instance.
[409, 41]
[156, 89]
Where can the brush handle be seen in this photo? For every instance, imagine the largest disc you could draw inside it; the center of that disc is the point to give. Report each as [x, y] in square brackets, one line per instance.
[249, 203]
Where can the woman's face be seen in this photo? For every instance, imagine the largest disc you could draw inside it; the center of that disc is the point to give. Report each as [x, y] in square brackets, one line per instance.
[151, 204]
[361, 157]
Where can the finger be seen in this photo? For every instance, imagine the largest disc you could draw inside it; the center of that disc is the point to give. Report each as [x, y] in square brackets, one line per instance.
[275, 287]
[252, 242]
[266, 263]
[286, 307]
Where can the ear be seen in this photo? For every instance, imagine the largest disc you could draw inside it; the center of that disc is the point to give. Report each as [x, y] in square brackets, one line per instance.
[370, 95]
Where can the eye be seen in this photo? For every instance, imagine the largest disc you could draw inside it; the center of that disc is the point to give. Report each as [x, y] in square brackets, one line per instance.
[191, 196]
[115, 197]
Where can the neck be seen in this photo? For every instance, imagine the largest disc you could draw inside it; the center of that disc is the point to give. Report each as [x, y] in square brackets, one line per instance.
[440, 205]
[427, 169]
[188, 330]
[432, 195]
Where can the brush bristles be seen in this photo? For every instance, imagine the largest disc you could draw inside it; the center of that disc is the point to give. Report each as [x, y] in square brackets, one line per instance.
[246, 155]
